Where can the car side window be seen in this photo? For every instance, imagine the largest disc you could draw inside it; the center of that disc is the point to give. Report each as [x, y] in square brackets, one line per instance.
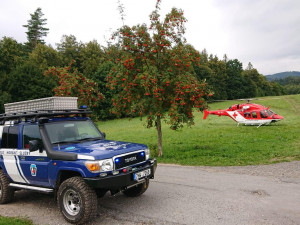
[31, 132]
[4, 143]
[10, 137]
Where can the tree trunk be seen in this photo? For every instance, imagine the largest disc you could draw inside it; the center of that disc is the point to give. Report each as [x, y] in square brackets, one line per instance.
[159, 135]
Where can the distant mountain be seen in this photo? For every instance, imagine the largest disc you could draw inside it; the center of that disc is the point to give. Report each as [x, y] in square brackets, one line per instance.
[282, 75]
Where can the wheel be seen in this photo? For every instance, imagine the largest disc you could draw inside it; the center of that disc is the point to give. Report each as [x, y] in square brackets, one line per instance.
[77, 201]
[6, 192]
[137, 190]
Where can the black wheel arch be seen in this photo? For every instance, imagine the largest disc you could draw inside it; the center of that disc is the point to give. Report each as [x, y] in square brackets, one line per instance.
[64, 175]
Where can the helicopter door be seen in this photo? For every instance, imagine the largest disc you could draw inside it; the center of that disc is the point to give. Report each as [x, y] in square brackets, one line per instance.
[254, 115]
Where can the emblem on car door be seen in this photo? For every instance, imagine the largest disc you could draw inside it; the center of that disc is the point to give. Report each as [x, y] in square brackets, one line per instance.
[33, 170]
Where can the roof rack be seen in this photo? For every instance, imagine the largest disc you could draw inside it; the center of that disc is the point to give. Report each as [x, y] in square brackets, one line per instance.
[42, 113]
[42, 103]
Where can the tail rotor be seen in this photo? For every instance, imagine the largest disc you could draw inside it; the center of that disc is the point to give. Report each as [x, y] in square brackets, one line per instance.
[205, 114]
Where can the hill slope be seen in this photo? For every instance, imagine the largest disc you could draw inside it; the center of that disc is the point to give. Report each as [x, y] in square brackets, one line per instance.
[282, 75]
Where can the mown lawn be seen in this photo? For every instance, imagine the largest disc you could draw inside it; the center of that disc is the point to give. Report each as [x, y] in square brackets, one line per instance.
[218, 141]
[14, 221]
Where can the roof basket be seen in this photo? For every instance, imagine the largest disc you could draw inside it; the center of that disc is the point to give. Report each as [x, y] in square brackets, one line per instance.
[43, 107]
[50, 103]
[42, 113]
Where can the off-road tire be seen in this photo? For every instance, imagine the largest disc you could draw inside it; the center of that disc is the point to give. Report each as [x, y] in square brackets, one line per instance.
[77, 201]
[137, 190]
[6, 192]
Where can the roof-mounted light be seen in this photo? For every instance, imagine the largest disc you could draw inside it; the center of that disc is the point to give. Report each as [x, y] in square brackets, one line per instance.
[83, 107]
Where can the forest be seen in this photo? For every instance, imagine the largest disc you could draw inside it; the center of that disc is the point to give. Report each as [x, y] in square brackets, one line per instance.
[34, 69]
[290, 81]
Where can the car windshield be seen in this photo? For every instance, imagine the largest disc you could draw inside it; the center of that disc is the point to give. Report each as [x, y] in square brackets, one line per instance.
[72, 131]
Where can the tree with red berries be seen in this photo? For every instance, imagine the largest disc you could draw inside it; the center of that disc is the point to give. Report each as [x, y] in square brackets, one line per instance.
[153, 73]
[71, 83]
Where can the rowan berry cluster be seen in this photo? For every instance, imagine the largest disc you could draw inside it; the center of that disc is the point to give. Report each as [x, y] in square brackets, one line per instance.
[71, 83]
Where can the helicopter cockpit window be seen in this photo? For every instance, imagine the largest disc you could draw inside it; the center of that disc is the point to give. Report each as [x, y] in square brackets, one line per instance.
[254, 114]
[270, 113]
[247, 115]
[263, 114]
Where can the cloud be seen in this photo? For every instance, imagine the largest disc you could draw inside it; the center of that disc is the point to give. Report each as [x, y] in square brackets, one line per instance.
[263, 32]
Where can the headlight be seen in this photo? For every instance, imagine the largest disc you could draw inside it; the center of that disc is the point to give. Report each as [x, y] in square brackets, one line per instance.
[93, 166]
[147, 152]
[106, 165]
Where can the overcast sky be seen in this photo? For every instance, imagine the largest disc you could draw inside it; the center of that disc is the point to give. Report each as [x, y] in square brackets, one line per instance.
[263, 32]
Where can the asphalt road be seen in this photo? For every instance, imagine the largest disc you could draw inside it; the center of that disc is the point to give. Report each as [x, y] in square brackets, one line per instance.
[188, 195]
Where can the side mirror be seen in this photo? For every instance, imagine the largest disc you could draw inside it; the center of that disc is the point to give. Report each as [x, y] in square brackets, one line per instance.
[33, 145]
[104, 135]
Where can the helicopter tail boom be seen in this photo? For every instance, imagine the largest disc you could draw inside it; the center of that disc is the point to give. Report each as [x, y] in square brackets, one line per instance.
[215, 112]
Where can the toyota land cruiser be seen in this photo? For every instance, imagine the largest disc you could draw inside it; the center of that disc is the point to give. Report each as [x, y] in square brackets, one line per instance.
[61, 151]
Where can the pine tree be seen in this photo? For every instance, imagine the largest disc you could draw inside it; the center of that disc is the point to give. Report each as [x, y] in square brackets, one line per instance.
[36, 30]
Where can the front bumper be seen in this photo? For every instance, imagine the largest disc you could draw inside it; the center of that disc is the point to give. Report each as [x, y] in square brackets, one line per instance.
[122, 180]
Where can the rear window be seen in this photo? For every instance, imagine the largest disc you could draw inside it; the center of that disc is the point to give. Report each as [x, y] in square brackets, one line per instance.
[10, 137]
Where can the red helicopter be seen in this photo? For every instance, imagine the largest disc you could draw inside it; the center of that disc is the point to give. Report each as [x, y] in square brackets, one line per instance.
[248, 114]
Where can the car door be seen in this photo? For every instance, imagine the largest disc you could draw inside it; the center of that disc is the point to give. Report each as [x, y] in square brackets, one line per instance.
[34, 164]
[10, 152]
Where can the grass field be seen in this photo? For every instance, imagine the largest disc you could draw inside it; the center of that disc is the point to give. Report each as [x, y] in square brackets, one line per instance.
[218, 141]
[14, 221]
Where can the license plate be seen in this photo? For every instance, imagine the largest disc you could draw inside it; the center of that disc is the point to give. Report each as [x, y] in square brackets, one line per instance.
[142, 174]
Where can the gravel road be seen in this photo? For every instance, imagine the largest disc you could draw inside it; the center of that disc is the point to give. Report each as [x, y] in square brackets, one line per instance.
[267, 194]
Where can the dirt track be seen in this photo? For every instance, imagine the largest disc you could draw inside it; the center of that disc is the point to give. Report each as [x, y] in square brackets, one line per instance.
[190, 195]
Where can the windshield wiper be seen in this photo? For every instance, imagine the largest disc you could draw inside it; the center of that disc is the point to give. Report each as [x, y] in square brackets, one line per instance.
[91, 139]
[66, 142]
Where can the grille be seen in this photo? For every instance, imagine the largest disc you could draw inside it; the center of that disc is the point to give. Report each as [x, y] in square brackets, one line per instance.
[130, 159]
